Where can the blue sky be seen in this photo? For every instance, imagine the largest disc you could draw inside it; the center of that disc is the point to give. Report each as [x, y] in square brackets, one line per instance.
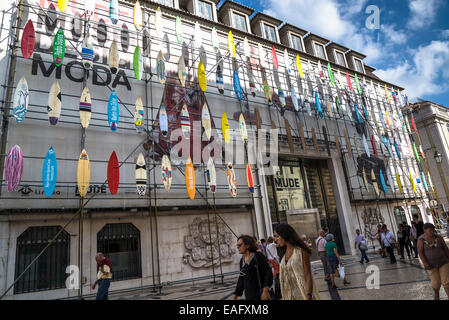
[410, 48]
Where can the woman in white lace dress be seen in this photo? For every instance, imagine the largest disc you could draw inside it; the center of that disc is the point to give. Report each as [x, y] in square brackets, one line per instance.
[297, 282]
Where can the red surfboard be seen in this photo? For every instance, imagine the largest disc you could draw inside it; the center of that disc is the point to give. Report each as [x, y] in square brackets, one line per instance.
[113, 173]
[374, 146]
[249, 178]
[28, 40]
[349, 82]
[275, 58]
[413, 125]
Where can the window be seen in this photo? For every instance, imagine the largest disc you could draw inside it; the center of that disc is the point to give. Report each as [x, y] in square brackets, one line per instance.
[120, 242]
[270, 34]
[168, 3]
[205, 10]
[358, 65]
[296, 42]
[239, 22]
[340, 58]
[48, 272]
[399, 215]
[319, 51]
[415, 210]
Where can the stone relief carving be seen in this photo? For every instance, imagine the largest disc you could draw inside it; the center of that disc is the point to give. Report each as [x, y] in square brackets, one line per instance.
[371, 218]
[198, 244]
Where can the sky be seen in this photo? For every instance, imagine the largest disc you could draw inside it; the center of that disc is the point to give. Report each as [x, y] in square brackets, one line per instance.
[409, 46]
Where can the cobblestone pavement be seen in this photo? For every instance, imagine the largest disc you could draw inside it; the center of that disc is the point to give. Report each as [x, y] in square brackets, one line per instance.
[406, 280]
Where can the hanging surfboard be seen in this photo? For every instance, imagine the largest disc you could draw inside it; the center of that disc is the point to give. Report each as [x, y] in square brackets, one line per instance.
[299, 66]
[348, 79]
[286, 61]
[267, 90]
[203, 56]
[249, 178]
[398, 179]
[113, 173]
[231, 44]
[408, 125]
[373, 143]
[202, 77]
[219, 73]
[413, 125]
[166, 47]
[374, 181]
[161, 72]
[331, 74]
[197, 36]
[166, 172]
[141, 175]
[261, 53]
[59, 47]
[211, 175]
[13, 168]
[113, 59]
[258, 119]
[102, 32]
[426, 186]
[365, 146]
[163, 121]
[49, 173]
[137, 63]
[114, 12]
[365, 179]
[396, 147]
[179, 32]
[62, 4]
[275, 58]
[137, 16]
[225, 128]
[185, 122]
[415, 151]
[85, 108]
[356, 112]
[422, 152]
[182, 73]
[390, 179]
[190, 179]
[246, 49]
[231, 179]
[214, 39]
[318, 105]
[83, 173]
[243, 130]
[28, 40]
[237, 86]
[329, 108]
[21, 99]
[412, 181]
[87, 53]
[348, 144]
[139, 115]
[146, 43]
[359, 89]
[294, 98]
[252, 82]
[113, 111]
[54, 103]
[315, 141]
[158, 23]
[382, 181]
[206, 121]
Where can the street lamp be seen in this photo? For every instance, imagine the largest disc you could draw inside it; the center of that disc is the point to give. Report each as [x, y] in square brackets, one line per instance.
[438, 157]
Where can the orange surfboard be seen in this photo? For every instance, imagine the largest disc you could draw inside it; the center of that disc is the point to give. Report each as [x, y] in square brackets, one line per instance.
[249, 178]
[190, 179]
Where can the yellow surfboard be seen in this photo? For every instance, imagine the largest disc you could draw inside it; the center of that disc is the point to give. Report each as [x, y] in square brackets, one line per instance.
[411, 181]
[365, 179]
[137, 16]
[231, 44]
[83, 173]
[202, 77]
[386, 93]
[398, 179]
[62, 4]
[374, 181]
[299, 66]
[225, 128]
[190, 179]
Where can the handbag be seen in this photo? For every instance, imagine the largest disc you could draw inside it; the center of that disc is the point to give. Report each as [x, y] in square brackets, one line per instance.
[341, 271]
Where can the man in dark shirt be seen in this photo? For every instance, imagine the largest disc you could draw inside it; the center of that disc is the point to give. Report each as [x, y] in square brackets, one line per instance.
[419, 226]
[255, 277]
[104, 276]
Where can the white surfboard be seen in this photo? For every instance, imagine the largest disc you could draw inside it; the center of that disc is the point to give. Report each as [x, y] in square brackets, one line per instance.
[197, 35]
[21, 99]
[205, 119]
[246, 48]
[214, 39]
[141, 175]
[158, 23]
[211, 175]
[54, 103]
[113, 57]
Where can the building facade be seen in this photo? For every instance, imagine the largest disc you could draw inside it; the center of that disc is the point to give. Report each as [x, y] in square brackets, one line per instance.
[334, 153]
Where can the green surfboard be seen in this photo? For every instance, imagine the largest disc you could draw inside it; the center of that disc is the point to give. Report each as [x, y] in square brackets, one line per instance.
[138, 63]
[59, 47]
[331, 74]
[357, 83]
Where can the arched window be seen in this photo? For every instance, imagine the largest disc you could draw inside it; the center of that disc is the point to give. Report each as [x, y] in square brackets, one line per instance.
[399, 215]
[48, 272]
[120, 242]
[415, 210]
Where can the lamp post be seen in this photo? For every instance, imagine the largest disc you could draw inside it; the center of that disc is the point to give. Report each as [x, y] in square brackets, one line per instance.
[438, 157]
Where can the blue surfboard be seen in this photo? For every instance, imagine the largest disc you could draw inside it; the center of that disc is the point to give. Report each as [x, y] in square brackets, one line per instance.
[318, 105]
[365, 145]
[382, 181]
[382, 120]
[114, 11]
[113, 111]
[386, 141]
[426, 186]
[356, 111]
[49, 173]
[237, 86]
[397, 150]
[163, 121]
[366, 112]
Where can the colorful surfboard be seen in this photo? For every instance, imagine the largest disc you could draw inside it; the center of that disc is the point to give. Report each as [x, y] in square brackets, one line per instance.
[163, 121]
[396, 147]
[267, 90]
[206, 121]
[13, 168]
[87, 52]
[113, 173]
[21, 99]
[139, 115]
[390, 179]
[137, 16]
[185, 122]
[182, 73]
[59, 47]
[85, 108]
[83, 173]
[365, 179]
[158, 23]
[318, 105]
[243, 130]
[412, 181]
[232, 183]
[28, 40]
[161, 72]
[62, 4]
[225, 128]
[190, 179]
[219, 73]
[348, 79]
[382, 181]
[113, 111]
[426, 186]
[211, 175]
[141, 175]
[398, 180]
[299, 66]
[373, 143]
[374, 181]
[275, 58]
[202, 77]
[113, 58]
[138, 63]
[114, 11]
[49, 173]
[231, 44]
[54, 103]
[237, 86]
[166, 173]
[365, 146]
[249, 178]
[179, 32]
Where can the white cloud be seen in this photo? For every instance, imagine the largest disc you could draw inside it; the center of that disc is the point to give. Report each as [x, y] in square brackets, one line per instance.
[445, 34]
[393, 35]
[423, 13]
[427, 74]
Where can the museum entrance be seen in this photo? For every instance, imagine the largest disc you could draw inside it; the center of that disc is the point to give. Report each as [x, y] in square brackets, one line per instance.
[301, 193]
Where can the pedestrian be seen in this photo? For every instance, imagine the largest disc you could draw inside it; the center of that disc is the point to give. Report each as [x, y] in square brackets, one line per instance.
[333, 259]
[379, 237]
[261, 247]
[255, 277]
[414, 238]
[389, 242]
[403, 239]
[360, 243]
[447, 228]
[104, 276]
[434, 254]
[419, 226]
[320, 245]
[296, 278]
[273, 259]
[408, 244]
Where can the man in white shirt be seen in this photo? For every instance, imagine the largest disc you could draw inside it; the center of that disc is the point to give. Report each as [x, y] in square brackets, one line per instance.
[273, 259]
[320, 244]
[360, 243]
[389, 242]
